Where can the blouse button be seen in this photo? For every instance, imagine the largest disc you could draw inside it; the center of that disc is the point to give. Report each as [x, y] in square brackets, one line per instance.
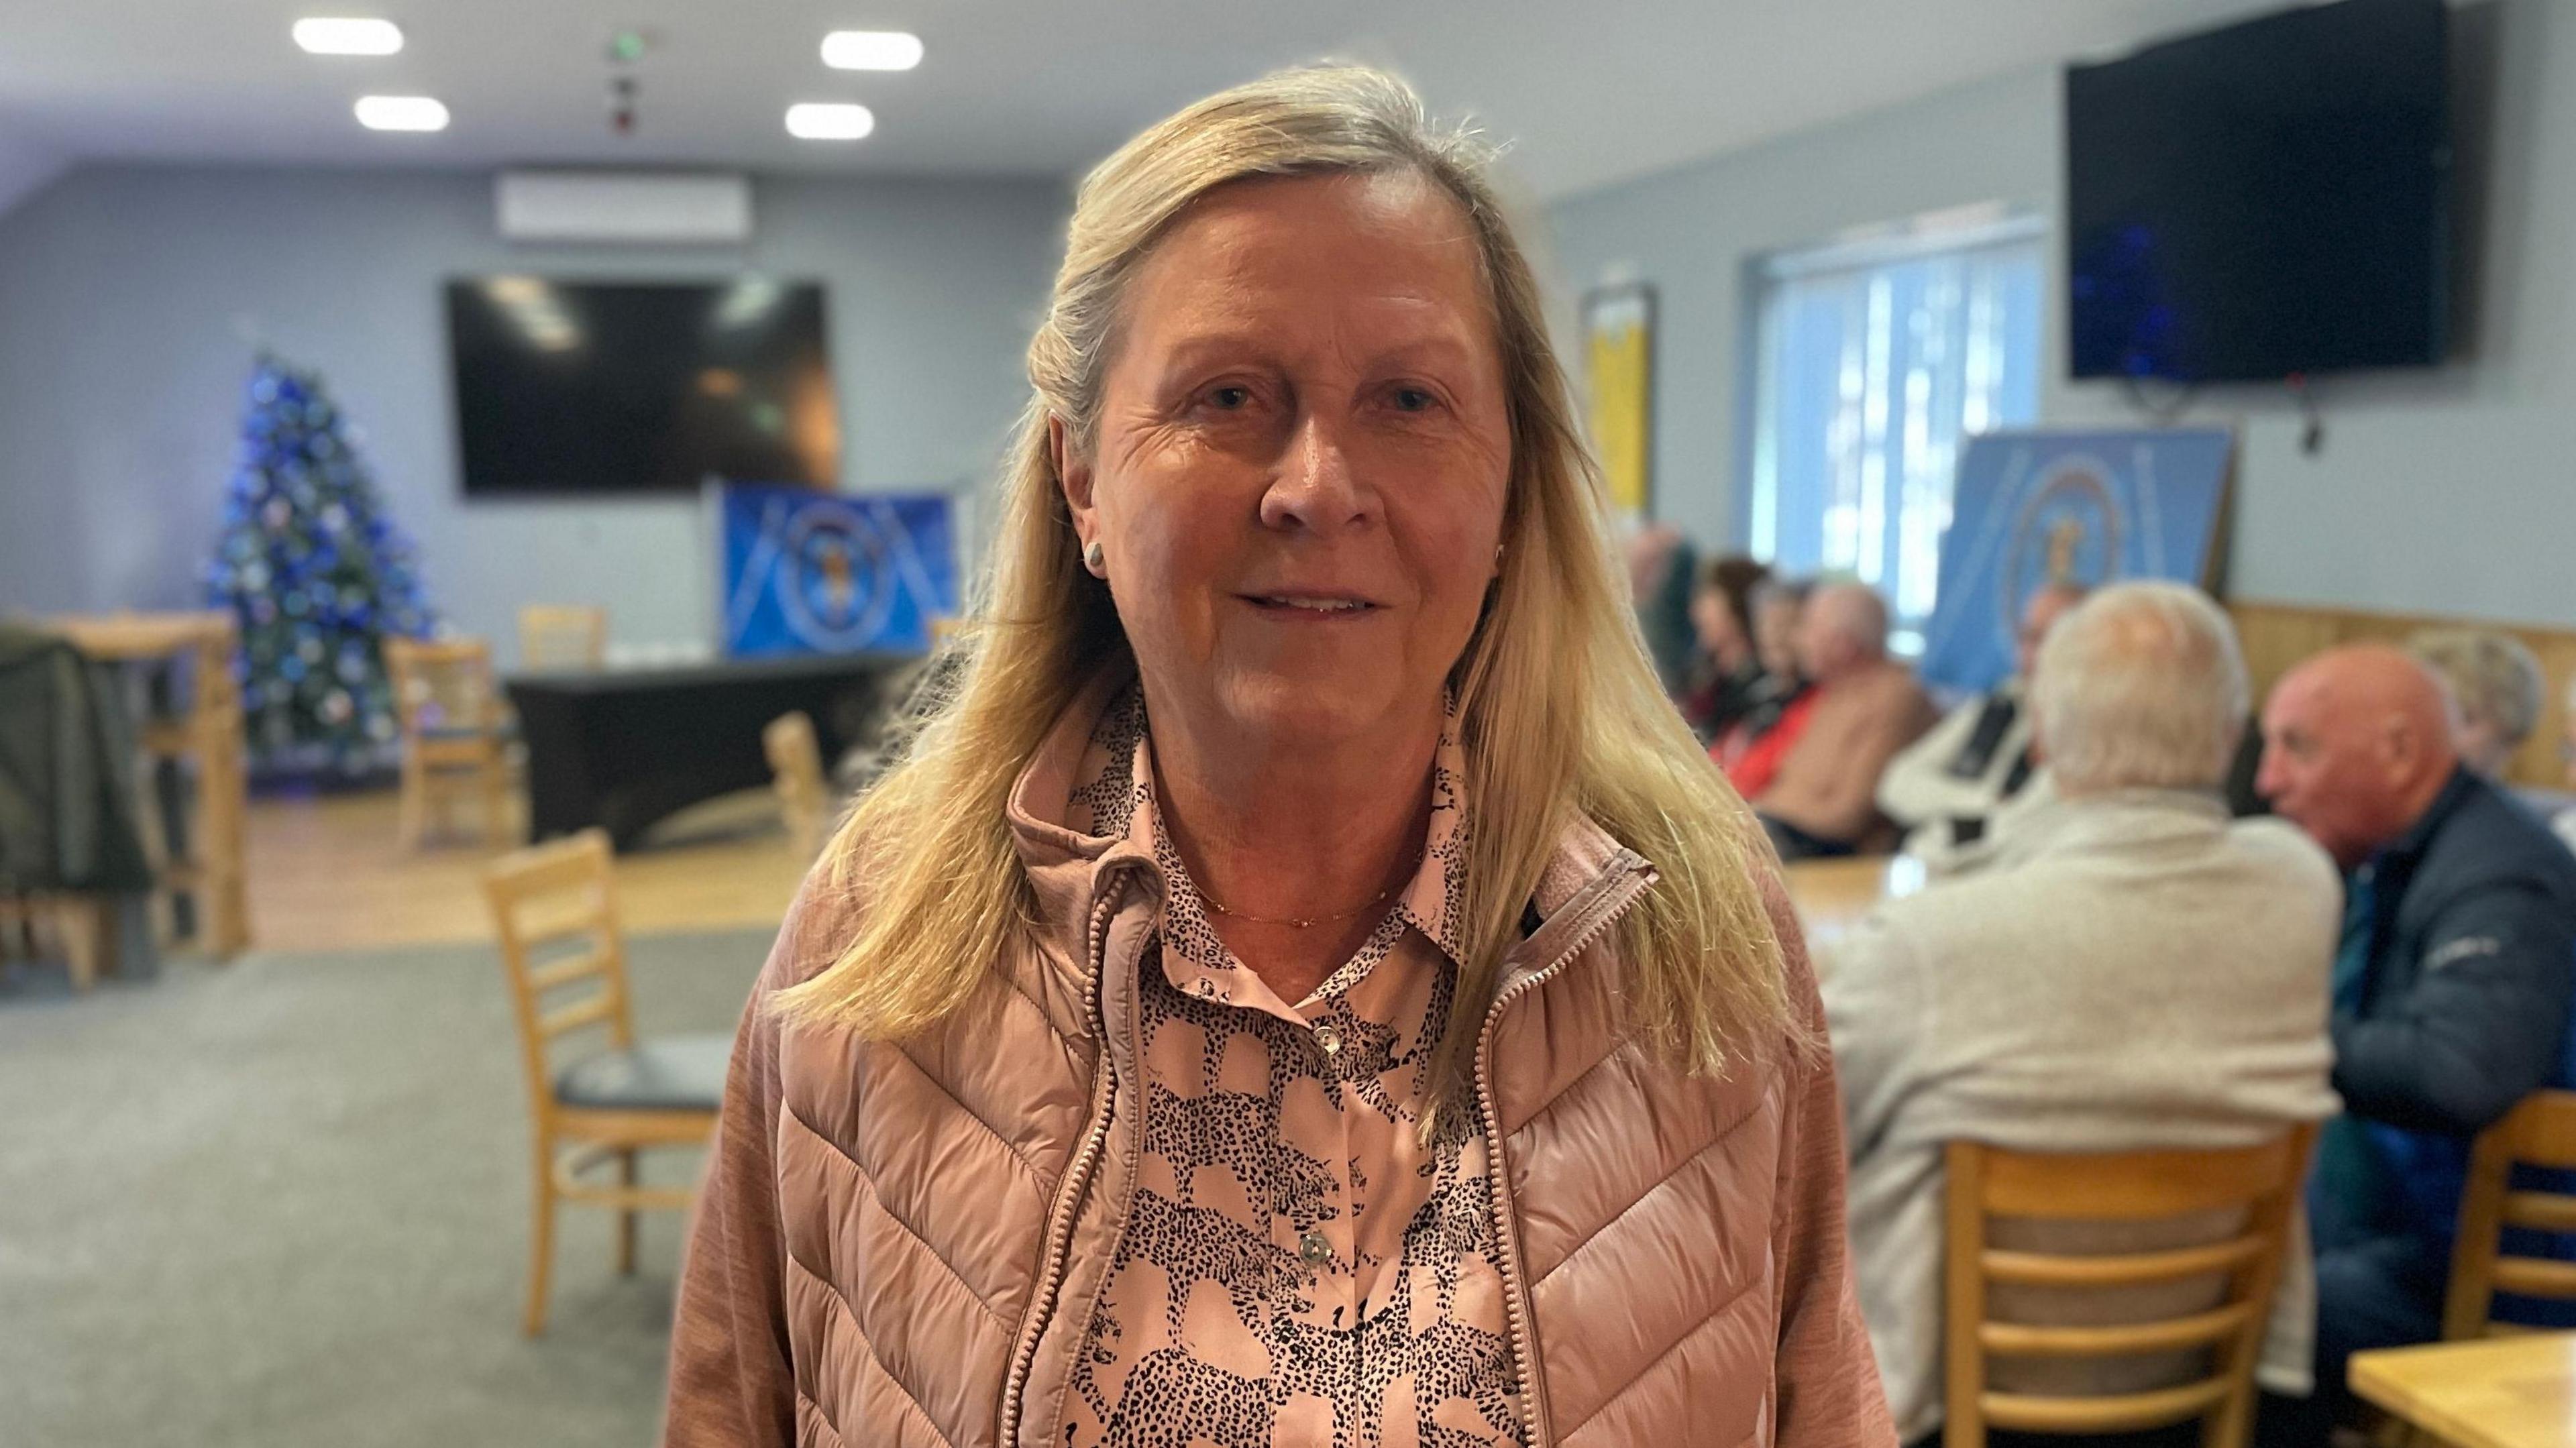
[1314, 1249]
[1328, 1036]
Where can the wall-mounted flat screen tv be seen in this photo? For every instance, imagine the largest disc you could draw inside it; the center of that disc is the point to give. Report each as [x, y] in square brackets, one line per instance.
[2267, 199]
[595, 387]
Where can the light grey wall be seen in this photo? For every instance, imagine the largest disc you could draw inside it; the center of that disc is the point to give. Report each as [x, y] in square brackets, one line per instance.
[128, 297]
[25, 165]
[2446, 491]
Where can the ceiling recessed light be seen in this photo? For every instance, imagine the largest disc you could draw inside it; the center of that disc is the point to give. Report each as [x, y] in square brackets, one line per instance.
[401, 113]
[872, 50]
[829, 121]
[325, 35]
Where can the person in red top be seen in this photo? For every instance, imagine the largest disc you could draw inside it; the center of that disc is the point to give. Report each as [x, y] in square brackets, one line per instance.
[1758, 761]
[1777, 604]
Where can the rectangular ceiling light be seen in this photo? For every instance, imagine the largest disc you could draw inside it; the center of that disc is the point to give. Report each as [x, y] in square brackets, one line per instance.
[871, 50]
[401, 113]
[324, 35]
[829, 121]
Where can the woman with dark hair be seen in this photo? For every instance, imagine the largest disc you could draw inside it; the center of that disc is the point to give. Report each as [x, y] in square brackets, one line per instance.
[1726, 669]
[1777, 689]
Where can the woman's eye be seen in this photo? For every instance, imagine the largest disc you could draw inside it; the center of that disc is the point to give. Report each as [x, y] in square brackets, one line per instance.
[1230, 398]
[1415, 399]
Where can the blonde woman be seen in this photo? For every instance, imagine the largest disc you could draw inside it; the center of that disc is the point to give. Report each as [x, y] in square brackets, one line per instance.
[2496, 687]
[1304, 984]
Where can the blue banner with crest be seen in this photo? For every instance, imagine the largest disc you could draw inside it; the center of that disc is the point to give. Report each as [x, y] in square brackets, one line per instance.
[2089, 508]
[833, 573]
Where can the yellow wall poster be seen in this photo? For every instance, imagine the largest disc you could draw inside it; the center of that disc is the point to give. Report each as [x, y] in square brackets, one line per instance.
[1619, 355]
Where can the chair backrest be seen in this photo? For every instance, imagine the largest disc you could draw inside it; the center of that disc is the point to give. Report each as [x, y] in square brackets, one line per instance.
[2540, 1132]
[544, 898]
[796, 768]
[2259, 1185]
[442, 686]
[563, 636]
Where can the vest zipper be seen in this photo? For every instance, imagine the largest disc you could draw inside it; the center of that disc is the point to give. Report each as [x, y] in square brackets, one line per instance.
[1617, 897]
[1068, 1198]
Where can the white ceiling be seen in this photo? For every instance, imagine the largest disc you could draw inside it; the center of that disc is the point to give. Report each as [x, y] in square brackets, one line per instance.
[1587, 93]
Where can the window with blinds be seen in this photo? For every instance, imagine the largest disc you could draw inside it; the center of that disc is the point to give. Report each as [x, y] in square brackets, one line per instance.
[1874, 361]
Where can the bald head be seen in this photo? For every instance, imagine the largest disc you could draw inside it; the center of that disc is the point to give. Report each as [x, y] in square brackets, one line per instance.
[2356, 743]
[1844, 626]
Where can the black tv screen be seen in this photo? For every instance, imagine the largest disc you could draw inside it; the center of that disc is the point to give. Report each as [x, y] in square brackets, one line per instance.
[2268, 199]
[612, 387]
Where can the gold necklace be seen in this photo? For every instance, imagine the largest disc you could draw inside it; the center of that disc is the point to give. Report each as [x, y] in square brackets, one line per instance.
[1307, 921]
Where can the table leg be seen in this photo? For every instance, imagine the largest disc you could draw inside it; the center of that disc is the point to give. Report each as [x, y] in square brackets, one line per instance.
[88, 926]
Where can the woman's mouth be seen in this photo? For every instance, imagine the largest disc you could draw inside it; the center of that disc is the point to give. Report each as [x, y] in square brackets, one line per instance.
[1311, 605]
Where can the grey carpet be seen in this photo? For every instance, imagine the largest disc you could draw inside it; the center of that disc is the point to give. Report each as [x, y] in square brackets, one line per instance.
[284, 1202]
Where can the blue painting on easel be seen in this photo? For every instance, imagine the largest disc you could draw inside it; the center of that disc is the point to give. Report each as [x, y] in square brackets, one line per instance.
[2090, 508]
[833, 573]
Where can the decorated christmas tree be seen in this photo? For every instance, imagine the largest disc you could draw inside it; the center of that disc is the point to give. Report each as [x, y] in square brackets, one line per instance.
[318, 577]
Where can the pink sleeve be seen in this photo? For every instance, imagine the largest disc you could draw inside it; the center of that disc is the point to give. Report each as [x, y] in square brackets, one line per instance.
[1829, 1390]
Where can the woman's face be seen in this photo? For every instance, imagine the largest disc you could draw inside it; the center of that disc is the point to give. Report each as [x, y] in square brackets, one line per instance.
[1714, 622]
[1302, 452]
[1775, 634]
[2482, 746]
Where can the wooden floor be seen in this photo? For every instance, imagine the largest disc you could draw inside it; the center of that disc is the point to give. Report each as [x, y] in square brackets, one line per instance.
[326, 873]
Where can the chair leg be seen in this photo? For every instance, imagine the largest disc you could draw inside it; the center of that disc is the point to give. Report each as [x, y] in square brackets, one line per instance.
[88, 924]
[496, 800]
[415, 785]
[541, 1239]
[2232, 1425]
[626, 1216]
[227, 922]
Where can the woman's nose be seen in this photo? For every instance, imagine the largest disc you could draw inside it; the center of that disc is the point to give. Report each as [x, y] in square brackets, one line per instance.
[1317, 488]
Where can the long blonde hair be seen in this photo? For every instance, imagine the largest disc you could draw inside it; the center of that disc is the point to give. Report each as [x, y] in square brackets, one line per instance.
[1560, 711]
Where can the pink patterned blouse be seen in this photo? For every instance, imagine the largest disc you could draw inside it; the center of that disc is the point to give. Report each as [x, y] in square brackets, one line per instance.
[1299, 1268]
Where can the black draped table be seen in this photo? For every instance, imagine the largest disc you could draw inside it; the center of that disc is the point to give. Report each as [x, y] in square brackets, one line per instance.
[622, 748]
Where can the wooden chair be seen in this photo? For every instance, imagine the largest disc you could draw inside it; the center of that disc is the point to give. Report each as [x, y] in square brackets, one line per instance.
[796, 769]
[615, 1101]
[453, 739]
[2128, 1187]
[204, 739]
[2541, 1132]
[562, 636]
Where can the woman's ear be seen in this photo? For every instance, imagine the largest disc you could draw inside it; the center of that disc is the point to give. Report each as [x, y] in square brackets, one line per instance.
[1073, 475]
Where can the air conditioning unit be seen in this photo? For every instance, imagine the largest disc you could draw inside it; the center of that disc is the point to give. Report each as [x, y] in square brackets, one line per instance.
[659, 208]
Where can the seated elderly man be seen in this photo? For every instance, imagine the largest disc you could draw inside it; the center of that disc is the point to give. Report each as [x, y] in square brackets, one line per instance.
[2134, 970]
[2451, 987]
[1946, 788]
[2496, 684]
[1823, 798]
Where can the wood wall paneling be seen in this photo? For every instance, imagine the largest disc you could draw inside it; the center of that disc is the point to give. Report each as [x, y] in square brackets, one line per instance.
[2278, 635]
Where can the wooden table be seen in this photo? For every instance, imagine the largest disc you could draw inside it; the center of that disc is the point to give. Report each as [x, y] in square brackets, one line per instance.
[208, 736]
[1832, 896]
[2499, 1392]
